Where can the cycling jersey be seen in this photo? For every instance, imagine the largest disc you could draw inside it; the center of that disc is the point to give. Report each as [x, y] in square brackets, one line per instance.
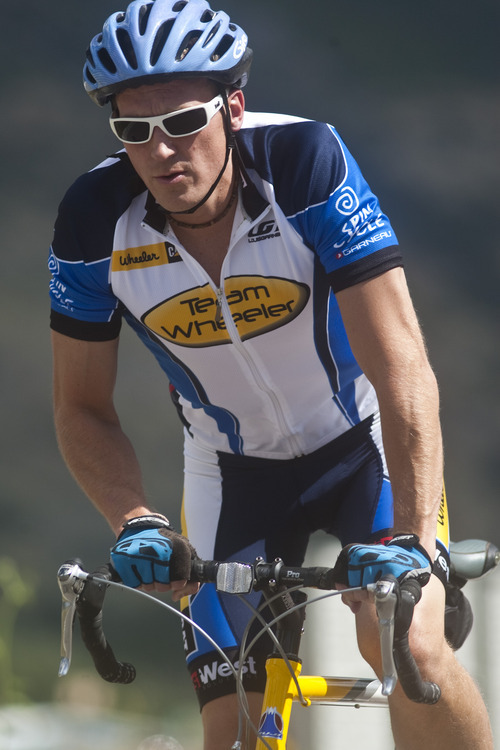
[259, 365]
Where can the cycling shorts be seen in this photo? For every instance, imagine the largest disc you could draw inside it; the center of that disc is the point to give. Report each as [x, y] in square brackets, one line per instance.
[240, 508]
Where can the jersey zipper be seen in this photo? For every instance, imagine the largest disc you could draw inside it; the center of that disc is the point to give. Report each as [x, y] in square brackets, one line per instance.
[218, 309]
[223, 310]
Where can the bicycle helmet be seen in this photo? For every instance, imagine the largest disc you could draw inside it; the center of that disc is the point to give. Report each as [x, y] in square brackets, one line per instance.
[158, 40]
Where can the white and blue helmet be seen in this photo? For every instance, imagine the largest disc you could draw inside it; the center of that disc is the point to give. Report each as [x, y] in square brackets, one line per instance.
[159, 40]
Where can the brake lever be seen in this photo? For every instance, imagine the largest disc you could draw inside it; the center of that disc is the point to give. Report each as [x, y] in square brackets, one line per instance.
[385, 602]
[71, 579]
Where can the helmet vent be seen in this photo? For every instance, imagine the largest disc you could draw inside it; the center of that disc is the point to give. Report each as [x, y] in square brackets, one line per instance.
[120, 18]
[89, 75]
[179, 6]
[207, 16]
[222, 48]
[127, 48]
[160, 41]
[144, 14]
[213, 32]
[106, 60]
[187, 44]
[88, 55]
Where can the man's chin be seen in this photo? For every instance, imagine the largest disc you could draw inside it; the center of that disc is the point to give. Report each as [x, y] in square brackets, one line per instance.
[174, 204]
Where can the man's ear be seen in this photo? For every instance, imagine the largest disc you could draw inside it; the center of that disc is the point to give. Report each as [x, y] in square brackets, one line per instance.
[236, 103]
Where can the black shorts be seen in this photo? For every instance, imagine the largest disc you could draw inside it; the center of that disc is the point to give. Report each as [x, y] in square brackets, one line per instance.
[240, 508]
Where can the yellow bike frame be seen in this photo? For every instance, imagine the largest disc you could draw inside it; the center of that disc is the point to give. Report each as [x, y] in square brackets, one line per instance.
[281, 691]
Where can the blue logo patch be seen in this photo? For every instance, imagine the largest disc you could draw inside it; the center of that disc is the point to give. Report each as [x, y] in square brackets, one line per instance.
[271, 724]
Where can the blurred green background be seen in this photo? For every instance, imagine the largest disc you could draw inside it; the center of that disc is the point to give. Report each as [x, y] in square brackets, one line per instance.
[413, 89]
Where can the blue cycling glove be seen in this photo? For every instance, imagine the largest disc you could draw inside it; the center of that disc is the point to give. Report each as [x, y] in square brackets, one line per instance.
[149, 550]
[403, 557]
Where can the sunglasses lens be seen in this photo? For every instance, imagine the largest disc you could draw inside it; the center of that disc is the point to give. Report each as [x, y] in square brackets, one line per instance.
[132, 132]
[184, 123]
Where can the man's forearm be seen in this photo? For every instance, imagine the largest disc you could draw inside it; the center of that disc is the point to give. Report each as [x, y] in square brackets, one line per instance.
[103, 462]
[411, 432]
[386, 340]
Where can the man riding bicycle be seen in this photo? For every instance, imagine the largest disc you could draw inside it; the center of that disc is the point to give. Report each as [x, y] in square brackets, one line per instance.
[251, 257]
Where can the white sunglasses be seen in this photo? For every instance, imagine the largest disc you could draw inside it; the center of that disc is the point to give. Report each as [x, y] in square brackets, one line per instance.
[177, 124]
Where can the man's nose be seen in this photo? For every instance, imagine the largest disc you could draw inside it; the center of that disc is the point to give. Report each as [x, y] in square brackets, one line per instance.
[161, 144]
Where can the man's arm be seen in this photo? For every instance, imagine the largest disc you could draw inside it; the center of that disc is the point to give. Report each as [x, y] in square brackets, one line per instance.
[91, 440]
[386, 340]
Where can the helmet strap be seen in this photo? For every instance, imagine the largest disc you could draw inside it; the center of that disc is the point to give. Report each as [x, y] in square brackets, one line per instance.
[219, 217]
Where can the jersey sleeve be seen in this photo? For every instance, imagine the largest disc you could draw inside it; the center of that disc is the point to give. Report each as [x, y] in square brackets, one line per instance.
[346, 226]
[322, 192]
[83, 305]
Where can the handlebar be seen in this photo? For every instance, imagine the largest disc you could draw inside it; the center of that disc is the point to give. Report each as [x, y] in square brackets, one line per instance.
[415, 687]
[83, 595]
[471, 559]
[394, 603]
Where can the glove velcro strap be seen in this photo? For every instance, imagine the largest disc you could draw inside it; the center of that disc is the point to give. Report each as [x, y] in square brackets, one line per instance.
[408, 540]
[150, 521]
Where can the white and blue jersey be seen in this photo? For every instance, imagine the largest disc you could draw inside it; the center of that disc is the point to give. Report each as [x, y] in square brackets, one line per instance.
[258, 365]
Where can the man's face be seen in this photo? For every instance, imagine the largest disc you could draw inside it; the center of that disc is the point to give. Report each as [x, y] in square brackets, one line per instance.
[180, 171]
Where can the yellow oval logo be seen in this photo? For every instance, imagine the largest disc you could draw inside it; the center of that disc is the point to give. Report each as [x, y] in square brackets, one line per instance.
[258, 304]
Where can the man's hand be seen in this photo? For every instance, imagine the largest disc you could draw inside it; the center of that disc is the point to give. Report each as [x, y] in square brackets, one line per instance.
[151, 555]
[403, 557]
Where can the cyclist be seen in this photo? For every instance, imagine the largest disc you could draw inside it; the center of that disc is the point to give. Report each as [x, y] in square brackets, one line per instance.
[253, 260]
